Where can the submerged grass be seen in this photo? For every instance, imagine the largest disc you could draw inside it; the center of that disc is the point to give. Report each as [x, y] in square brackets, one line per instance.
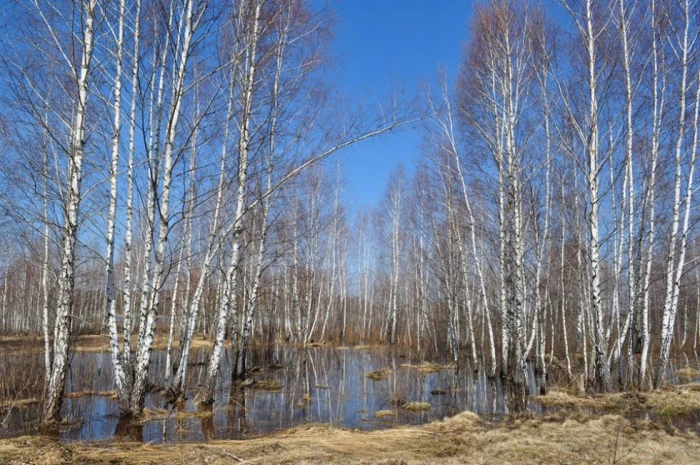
[557, 439]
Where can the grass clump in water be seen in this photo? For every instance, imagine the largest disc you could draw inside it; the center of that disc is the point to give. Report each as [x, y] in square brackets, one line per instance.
[154, 414]
[77, 394]
[379, 375]
[18, 402]
[428, 367]
[384, 414]
[416, 406]
[268, 385]
[163, 414]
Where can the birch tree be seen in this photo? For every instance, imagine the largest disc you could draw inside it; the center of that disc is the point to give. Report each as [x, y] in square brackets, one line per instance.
[687, 37]
[78, 66]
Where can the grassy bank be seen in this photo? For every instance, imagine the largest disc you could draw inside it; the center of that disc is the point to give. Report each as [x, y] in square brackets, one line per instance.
[667, 402]
[556, 439]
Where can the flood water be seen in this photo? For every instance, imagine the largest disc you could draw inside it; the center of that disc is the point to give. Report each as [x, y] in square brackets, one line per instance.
[322, 385]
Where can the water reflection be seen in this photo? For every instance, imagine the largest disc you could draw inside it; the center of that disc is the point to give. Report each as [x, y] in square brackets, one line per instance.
[318, 385]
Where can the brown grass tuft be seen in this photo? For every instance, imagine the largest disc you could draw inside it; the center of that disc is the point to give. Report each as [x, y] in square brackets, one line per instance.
[688, 373]
[267, 385]
[416, 406]
[18, 402]
[428, 367]
[162, 414]
[666, 402]
[109, 394]
[380, 375]
[384, 414]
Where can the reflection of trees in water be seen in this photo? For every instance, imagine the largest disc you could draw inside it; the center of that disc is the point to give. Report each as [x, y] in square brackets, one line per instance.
[237, 420]
[514, 394]
[129, 429]
[319, 385]
[208, 427]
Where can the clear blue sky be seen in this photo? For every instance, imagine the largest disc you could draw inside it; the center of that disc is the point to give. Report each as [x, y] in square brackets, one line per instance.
[382, 43]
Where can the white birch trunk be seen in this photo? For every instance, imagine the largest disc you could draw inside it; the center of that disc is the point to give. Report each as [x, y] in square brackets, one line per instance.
[119, 375]
[54, 391]
[229, 297]
[147, 333]
[674, 274]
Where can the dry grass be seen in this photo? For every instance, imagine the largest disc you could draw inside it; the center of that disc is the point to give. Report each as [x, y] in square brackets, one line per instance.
[161, 343]
[22, 376]
[666, 402]
[18, 402]
[369, 347]
[690, 387]
[93, 343]
[688, 373]
[384, 414]
[109, 394]
[557, 439]
[267, 385]
[379, 375]
[416, 406]
[428, 367]
[155, 413]
[163, 414]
